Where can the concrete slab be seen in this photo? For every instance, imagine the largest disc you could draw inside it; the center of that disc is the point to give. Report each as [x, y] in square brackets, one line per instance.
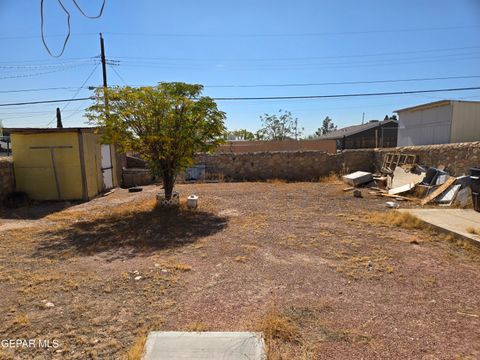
[178, 345]
[358, 178]
[455, 221]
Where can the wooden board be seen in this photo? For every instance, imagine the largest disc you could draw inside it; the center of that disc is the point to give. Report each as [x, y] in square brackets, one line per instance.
[438, 191]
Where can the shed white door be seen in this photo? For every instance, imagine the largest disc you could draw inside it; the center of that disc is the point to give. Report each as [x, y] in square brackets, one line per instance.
[107, 168]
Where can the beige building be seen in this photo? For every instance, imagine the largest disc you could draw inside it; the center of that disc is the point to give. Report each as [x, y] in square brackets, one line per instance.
[440, 122]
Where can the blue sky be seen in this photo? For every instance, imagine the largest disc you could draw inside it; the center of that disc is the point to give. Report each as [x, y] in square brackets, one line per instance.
[248, 42]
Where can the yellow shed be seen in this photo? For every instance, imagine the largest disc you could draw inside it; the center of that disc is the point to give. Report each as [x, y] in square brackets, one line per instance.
[62, 163]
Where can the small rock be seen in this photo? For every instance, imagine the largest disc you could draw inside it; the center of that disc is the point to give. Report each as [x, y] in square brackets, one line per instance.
[357, 193]
[370, 265]
[49, 304]
[157, 265]
[164, 271]
[135, 272]
[137, 278]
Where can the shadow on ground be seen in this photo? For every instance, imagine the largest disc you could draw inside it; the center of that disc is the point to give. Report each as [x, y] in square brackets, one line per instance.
[35, 211]
[131, 234]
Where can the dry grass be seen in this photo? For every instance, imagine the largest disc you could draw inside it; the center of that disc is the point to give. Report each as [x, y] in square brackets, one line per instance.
[401, 219]
[135, 352]
[278, 330]
[332, 177]
[196, 327]
[276, 181]
[474, 231]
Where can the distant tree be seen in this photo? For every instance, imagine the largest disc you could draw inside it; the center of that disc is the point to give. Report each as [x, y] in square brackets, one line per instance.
[327, 126]
[165, 124]
[393, 117]
[242, 134]
[278, 127]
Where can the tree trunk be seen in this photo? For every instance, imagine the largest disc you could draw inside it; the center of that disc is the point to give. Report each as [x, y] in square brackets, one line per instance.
[168, 183]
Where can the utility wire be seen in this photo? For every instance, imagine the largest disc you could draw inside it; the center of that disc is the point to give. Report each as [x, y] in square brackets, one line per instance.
[45, 101]
[343, 95]
[300, 58]
[40, 73]
[280, 97]
[78, 90]
[119, 76]
[219, 34]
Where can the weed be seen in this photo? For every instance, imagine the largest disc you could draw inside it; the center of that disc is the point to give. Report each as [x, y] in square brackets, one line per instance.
[137, 349]
[401, 219]
[474, 231]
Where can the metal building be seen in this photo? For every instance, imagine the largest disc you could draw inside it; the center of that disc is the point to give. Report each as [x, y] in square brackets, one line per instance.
[440, 122]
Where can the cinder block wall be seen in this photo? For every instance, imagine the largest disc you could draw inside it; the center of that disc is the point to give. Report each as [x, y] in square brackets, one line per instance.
[7, 178]
[457, 158]
[289, 165]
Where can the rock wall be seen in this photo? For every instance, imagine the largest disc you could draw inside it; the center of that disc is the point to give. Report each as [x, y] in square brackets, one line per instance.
[288, 165]
[457, 158]
[7, 178]
[311, 165]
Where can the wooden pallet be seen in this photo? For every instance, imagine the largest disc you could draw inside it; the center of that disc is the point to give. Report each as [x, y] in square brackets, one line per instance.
[392, 160]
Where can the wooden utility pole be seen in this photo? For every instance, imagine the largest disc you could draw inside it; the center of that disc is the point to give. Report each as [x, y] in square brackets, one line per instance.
[104, 63]
[59, 119]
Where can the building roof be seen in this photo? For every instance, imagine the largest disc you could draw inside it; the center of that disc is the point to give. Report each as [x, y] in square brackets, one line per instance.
[433, 105]
[355, 129]
[48, 130]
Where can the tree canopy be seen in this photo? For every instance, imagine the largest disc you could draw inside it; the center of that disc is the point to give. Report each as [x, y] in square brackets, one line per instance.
[164, 124]
[278, 127]
[327, 126]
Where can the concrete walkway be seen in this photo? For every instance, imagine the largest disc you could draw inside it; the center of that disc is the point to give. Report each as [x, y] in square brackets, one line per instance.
[456, 221]
[177, 345]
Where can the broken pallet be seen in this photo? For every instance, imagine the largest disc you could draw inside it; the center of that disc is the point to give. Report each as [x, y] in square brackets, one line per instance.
[438, 191]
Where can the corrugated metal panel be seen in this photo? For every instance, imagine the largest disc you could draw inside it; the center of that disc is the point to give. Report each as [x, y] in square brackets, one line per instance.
[466, 121]
[425, 127]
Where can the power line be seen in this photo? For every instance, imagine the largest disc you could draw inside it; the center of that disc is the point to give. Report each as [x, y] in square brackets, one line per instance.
[307, 97]
[117, 73]
[42, 72]
[45, 101]
[37, 89]
[343, 95]
[219, 34]
[78, 90]
[301, 58]
[344, 82]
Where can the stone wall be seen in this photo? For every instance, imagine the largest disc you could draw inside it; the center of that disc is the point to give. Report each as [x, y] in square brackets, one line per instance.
[7, 178]
[289, 165]
[311, 165]
[457, 158]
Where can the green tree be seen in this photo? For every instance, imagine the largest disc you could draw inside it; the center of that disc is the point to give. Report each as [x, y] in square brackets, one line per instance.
[242, 134]
[165, 124]
[278, 127]
[327, 126]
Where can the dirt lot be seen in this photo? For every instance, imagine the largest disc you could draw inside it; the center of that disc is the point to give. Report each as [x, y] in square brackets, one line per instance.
[314, 268]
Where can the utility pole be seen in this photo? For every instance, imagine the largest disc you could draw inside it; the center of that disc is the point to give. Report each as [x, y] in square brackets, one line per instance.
[104, 63]
[104, 73]
[363, 118]
[59, 119]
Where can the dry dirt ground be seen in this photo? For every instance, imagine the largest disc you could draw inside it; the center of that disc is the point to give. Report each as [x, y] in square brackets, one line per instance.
[322, 274]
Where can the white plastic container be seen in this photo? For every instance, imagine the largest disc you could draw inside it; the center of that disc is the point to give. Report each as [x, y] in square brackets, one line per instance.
[192, 201]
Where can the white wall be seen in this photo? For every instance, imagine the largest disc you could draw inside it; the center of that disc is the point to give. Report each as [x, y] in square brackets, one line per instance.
[425, 127]
[466, 122]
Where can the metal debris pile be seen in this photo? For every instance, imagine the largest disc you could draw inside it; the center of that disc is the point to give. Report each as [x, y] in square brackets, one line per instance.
[402, 178]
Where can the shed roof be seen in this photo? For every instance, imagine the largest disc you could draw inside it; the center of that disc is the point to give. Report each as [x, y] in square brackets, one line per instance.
[355, 129]
[49, 130]
[433, 105]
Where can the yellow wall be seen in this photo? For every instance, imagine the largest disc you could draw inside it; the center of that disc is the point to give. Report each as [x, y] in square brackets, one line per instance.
[33, 167]
[91, 149]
